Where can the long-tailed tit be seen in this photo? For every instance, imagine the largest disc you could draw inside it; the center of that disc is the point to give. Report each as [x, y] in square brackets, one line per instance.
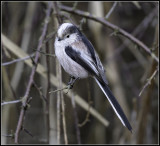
[79, 59]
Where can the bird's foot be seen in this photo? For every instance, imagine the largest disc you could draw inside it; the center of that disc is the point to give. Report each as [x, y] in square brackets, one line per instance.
[71, 83]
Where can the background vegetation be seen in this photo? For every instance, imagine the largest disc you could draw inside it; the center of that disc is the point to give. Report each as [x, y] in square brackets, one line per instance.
[125, 35]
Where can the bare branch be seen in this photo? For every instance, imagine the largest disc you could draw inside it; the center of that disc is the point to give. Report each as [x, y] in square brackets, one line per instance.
[111, 10]
[47, 54]
[47, 113]
[88, 111]
[56, 11]
[111, 26]
[75, 5]
[59, 90]
[64, 120]
[21, 117]
[11, 102]
[76, 119]
[18, 60]
[149, 81]
[59, 76]
[87, 117]
[40, 92]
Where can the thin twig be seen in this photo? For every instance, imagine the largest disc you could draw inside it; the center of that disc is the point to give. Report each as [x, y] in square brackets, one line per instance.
[64, 119]
[58, 71]
[25, 130]
[56, 11]
[21, 117]
[39, 91]
[49, 37]
[87, 117]
[88, 111]
[149, 81]
[76, 119]
[47, 93]
[8, 135]
[75, 5]
[111, 10]
[59, 75]
[111, 26]
[18, 60]
[26, 38]
[58, 118]
[11, 102]
[58, 90]
[47, 54]
[139, 30]
[60, 20]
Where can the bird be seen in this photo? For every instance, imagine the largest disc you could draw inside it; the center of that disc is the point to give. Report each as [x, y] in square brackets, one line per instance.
[79, 59]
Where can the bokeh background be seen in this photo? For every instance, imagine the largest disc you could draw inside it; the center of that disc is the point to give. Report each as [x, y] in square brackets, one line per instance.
[127, 66]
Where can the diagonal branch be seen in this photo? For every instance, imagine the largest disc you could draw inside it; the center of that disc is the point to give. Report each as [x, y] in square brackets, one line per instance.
[111, 26]
[149, 80]
[21, 117]
[10, 102]
[17, 60]
[111, 10]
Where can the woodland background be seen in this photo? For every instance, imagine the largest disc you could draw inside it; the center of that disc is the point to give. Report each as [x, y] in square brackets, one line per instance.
[30, 115]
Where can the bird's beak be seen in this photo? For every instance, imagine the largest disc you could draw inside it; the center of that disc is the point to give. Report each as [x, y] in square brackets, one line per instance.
[59, 39]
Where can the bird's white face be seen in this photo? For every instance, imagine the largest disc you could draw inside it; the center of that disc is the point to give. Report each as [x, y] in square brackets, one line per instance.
[66, 34]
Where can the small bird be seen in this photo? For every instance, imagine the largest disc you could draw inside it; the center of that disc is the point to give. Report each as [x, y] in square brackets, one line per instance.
[79, 59]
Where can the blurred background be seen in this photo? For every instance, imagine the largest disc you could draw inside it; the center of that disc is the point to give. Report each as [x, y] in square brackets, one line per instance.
[128, 68]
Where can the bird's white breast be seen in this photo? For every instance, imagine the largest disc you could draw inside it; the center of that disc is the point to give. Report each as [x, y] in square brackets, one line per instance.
[69, 65]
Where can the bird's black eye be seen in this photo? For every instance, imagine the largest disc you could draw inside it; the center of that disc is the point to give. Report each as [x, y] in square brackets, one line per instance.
[67, 36]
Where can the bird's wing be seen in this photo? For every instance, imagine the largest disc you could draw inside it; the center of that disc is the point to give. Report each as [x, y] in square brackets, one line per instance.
[95, 58]
[84, 60]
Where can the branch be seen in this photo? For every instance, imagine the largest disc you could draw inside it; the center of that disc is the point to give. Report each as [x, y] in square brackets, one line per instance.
[56, 11]
[40, 92]
[76, 119]
[21, 117]
[59, 76]
[111, 10]
[10, 102]
[149, 81]
[18, 60]
[88, 111]
[48, 121]
[111, 26]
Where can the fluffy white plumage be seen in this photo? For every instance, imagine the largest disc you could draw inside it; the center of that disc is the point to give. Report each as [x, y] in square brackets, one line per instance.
[62, 29]
[70, 66]
[79, 59]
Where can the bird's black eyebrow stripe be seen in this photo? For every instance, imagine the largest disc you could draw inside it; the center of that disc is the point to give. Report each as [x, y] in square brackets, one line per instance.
[72, 29]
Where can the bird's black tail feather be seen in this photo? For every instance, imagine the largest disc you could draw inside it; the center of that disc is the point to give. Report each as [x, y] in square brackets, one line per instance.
[115, 105]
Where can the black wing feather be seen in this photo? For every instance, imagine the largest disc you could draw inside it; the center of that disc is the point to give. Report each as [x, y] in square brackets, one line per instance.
[89, 47]
[76, 56]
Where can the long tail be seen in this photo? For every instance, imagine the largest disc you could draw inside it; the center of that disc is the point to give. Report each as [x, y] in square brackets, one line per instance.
[114, 103]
